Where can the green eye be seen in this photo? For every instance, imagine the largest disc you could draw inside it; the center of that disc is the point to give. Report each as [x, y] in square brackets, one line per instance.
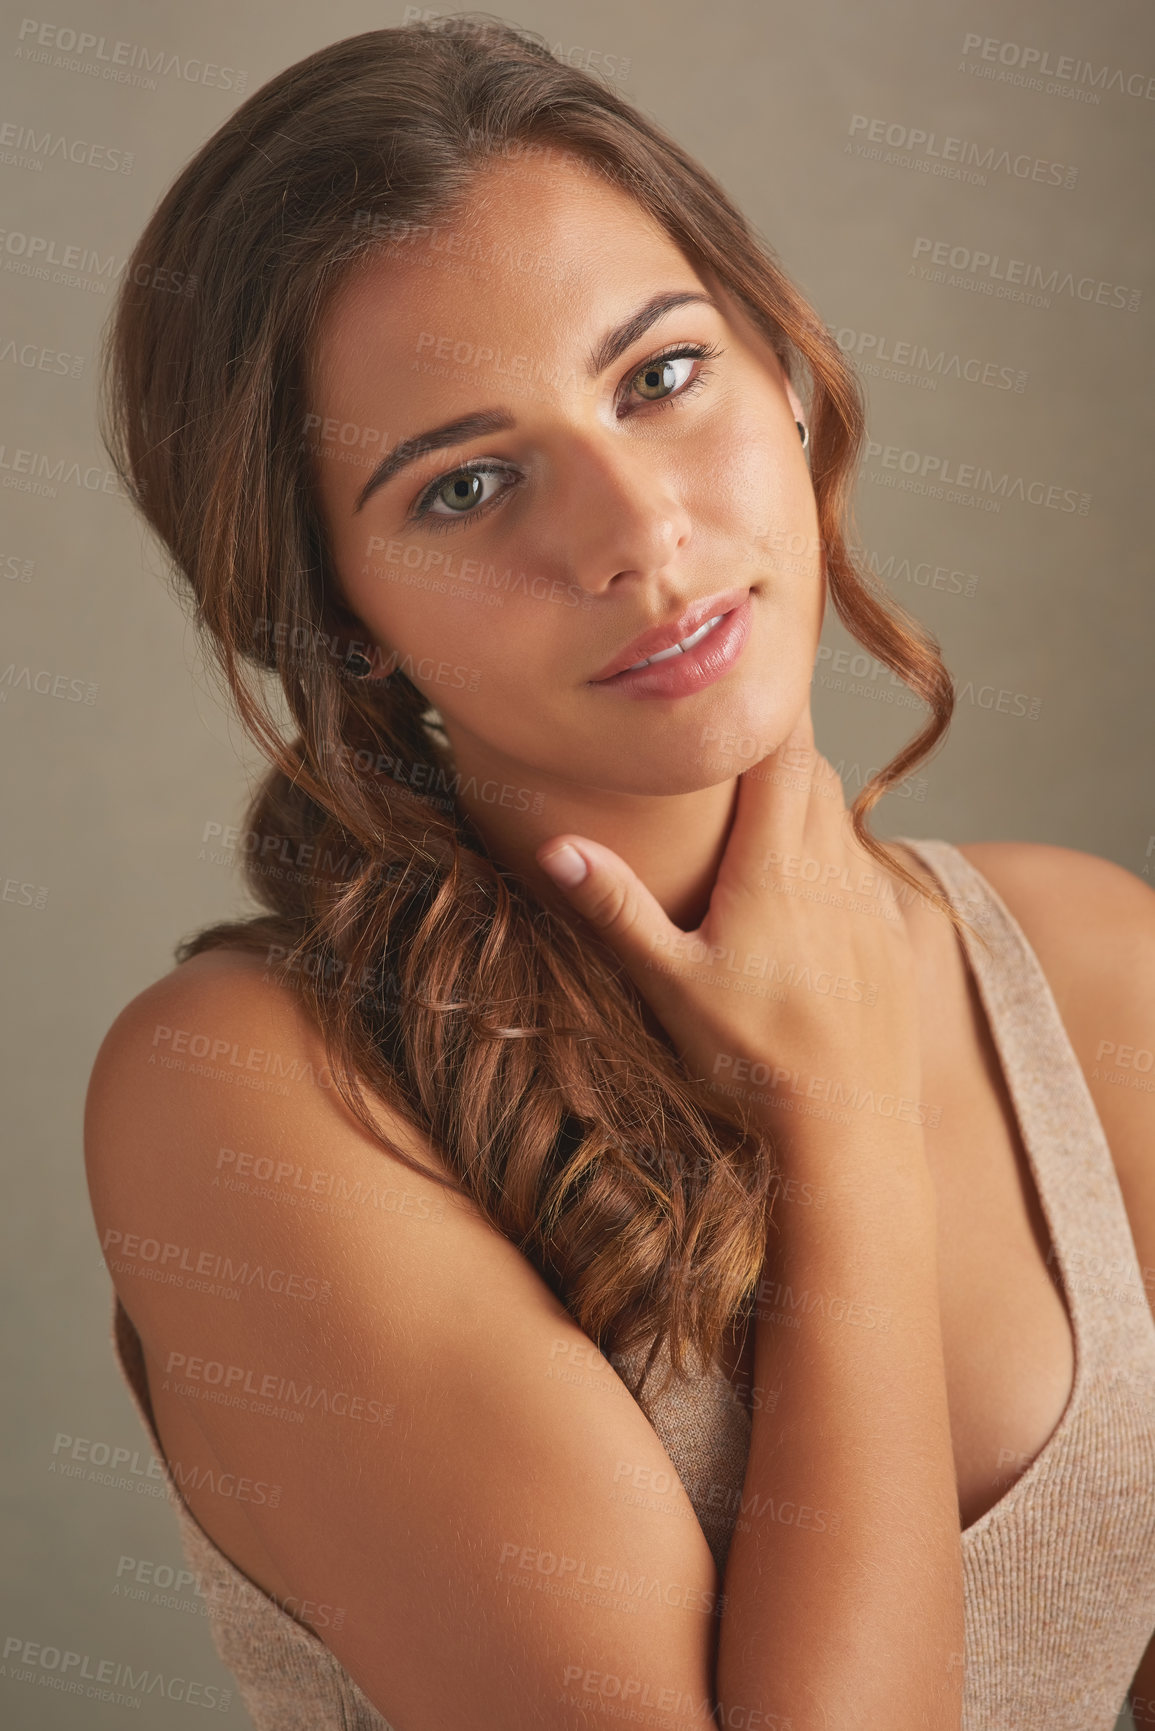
[462, 492]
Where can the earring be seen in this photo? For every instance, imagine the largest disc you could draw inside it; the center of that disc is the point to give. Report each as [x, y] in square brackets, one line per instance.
[359, 666]
[803, 433]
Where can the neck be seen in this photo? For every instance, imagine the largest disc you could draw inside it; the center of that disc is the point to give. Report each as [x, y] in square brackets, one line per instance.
[673, 842]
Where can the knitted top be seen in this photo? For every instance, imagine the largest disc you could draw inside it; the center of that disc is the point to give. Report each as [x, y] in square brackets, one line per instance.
[1059, 1574]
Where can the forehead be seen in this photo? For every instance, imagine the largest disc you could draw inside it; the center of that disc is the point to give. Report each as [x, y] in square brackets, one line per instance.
[536, 253]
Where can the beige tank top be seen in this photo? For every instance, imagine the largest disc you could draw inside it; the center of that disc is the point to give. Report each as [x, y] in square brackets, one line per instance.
[1059, 1574]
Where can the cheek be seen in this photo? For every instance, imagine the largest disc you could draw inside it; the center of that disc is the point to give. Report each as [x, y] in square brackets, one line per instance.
[465, 629]
[749, 484]
[421, 599]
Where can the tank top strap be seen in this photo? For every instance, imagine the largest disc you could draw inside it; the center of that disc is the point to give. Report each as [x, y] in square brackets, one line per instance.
[1063, 1135]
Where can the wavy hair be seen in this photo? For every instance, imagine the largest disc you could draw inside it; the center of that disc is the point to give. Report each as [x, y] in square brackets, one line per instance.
[489, 1019]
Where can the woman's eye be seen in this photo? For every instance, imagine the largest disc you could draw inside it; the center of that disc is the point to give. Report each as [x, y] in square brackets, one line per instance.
[658, 378]
[469, 491]
[459, 494]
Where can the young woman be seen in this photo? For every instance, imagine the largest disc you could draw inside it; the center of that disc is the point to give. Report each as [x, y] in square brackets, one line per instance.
[611, 1240]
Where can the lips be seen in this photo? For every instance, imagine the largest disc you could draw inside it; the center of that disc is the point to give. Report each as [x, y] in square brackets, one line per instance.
[661, 637]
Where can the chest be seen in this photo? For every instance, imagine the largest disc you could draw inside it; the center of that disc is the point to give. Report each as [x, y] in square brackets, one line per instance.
[1007, 1339]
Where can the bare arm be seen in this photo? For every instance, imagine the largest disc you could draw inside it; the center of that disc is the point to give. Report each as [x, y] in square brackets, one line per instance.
[847, 1546]
[1141, 1694]
[852, 1616]
[443, 1436]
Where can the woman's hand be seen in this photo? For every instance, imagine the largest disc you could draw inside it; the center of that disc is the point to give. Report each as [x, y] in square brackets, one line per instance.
[800, 980]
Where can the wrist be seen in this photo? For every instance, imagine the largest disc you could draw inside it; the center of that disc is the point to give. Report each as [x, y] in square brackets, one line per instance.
[840, 1155]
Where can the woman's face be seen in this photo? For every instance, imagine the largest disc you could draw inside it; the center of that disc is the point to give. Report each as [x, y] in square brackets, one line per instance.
[608, 490]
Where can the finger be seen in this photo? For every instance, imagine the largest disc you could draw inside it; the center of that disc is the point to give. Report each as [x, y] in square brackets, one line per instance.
[606, 892]
[774, 799]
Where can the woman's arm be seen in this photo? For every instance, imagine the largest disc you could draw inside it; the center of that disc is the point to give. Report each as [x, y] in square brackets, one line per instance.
[1141, 1695]
[848, 1539]
[447, 1441]
[859, 1623]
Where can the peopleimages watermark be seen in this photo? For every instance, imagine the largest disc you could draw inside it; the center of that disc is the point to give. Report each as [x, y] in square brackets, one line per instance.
[456, 249]
[1014, 279]
[905, 361]
[639, 1699]
[576, 1577]
[640, 1477]
[754, 964]
[1125, 1066]
[268, 1393]
[67, 49]
[214, 1053]
[22, 146]
[86, 1458]
[440, 787]
[46, 684]
[581, 1364]
[287, 1181]
[450, 567]
[586, 59]
[269, 846]
[54, 1667]
[211, 1272]
[922, 573]
[450, 350]
[777, 1302]
[747, 749]
[147, 1581]
[39, 358]
[1023, 64]
[48, 259]
[866, 676]
[42, 474]
[14, 568]
[963, 483]
[949, 157]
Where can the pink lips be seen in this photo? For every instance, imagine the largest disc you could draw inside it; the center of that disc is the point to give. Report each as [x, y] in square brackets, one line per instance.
[665, 636]
[706, 662]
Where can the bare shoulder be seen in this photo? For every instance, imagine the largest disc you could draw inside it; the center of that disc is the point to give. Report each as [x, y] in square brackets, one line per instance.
[1092, 925]
[1091, 922]
[218, 1146]
[219, 1036]
[213, 1128]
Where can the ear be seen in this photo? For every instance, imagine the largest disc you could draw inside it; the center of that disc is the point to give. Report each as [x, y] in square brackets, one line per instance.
[348, 635]
[795, 402]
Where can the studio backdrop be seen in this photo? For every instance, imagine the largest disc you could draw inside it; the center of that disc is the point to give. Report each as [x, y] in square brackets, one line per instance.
[964, 194]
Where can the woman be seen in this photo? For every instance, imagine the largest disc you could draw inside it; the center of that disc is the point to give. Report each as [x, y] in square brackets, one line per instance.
[591, 1245]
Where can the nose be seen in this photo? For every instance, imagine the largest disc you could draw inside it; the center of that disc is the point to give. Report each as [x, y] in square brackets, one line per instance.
[619, 512]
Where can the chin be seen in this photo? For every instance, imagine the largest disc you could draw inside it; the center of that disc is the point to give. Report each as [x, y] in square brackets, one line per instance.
[741, 733]
[690, 756]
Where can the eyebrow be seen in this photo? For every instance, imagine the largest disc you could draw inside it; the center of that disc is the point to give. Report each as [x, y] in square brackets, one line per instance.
[605, 352]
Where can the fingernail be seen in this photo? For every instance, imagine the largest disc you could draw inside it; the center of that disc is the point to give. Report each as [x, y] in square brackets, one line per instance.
[565, 866]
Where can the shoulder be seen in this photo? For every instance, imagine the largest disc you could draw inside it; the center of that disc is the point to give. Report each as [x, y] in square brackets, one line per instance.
[1091, 924]
[188, 1022]
[218, 1017]
[217, 1059]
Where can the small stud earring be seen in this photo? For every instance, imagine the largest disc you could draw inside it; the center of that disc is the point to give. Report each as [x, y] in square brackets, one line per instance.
[803, 433]
[356, 664]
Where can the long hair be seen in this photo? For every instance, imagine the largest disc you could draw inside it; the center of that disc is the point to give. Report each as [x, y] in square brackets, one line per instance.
[494, 1023]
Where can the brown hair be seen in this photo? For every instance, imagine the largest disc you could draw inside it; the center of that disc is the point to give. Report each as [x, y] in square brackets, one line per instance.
[492, 1021]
